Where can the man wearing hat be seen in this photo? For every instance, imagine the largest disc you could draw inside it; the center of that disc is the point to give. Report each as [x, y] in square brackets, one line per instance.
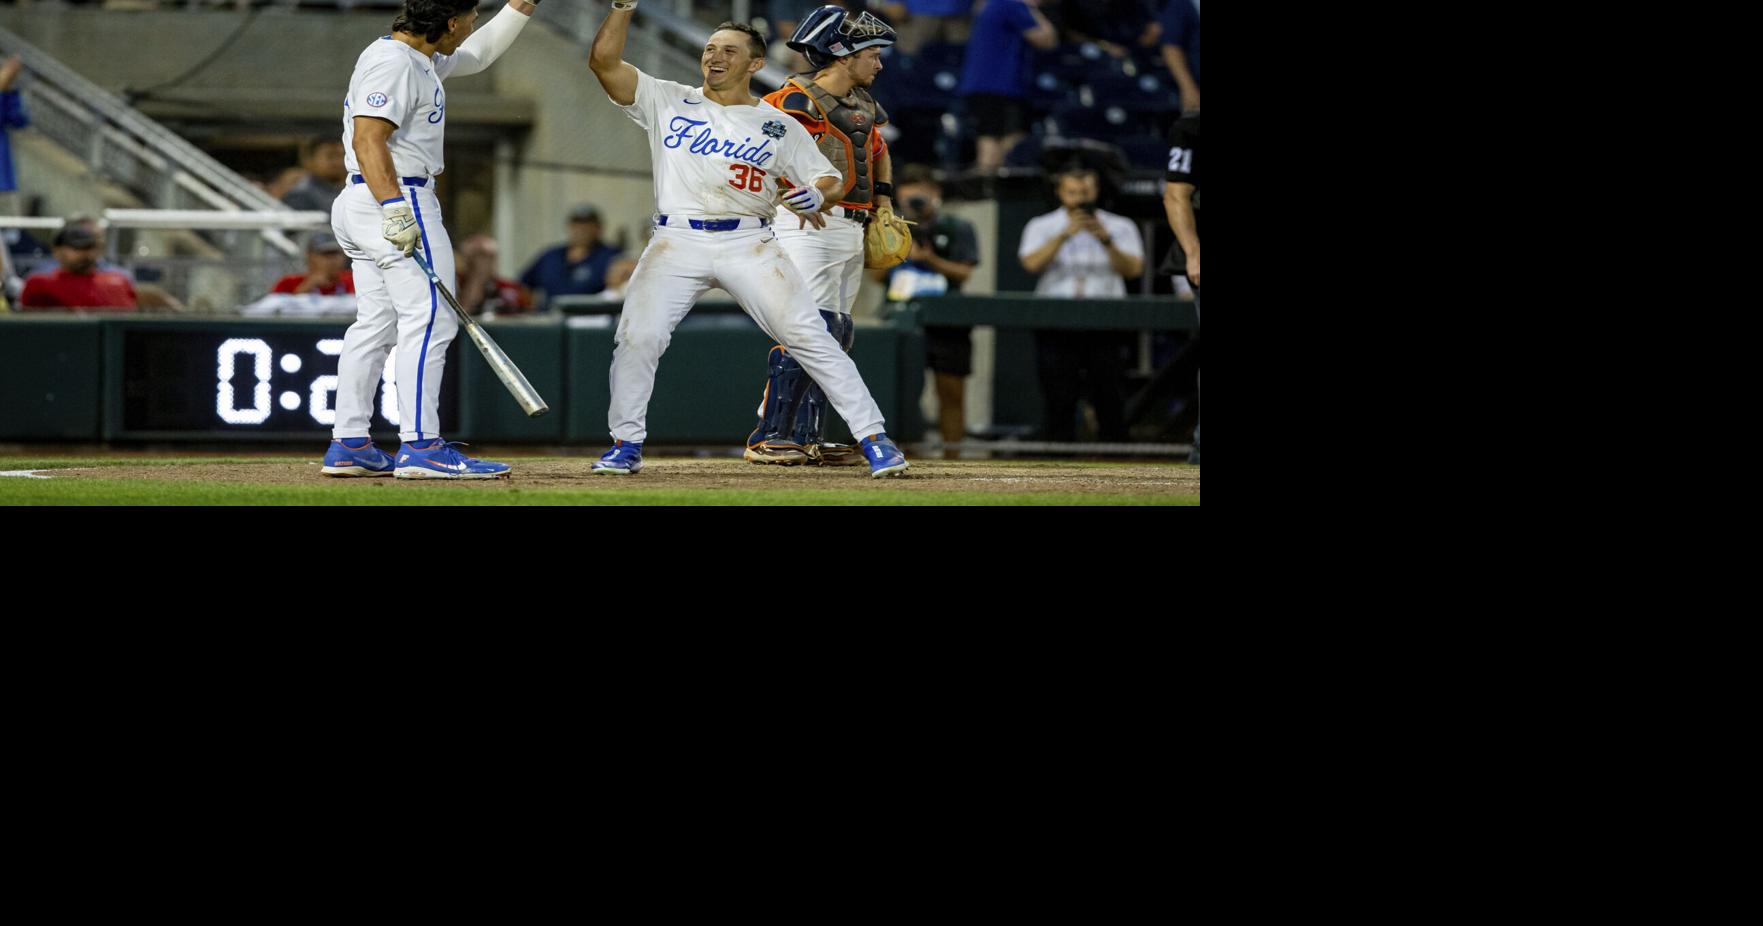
[327, 270]
[576, 268]
[77, 282]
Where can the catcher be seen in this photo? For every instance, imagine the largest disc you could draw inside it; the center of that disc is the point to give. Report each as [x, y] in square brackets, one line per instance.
[835, 107]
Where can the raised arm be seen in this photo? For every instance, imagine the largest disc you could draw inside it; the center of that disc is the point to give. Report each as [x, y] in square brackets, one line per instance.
[489, 42]
[1043, 35]
[606, 58]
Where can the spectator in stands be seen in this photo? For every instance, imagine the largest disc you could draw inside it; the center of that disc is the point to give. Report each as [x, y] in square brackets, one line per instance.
[577, 267]
[327, 270]
[618, 278]
[283, 182]
[927, 22]
[78, 283]
[480, 289]
[1113, 25]
[944, 252]
[1181, 49]
[994, 75]
[96, 230]
[322, 158]
[12, 116]
[1081, 252]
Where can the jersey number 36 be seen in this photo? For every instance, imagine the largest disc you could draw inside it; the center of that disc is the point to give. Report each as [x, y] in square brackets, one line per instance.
[747, 177]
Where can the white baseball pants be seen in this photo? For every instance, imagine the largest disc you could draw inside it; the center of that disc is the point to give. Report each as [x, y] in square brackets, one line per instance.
[680, 265]
[395, 308]
[830, 259]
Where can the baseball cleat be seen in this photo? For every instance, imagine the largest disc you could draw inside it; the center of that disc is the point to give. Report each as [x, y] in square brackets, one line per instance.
[441, 461]
[830, 454]
[349, 461]
[781, 452]
[623, 459]
[884, 458]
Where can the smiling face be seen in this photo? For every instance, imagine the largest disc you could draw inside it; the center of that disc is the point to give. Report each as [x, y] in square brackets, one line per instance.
[729, 62]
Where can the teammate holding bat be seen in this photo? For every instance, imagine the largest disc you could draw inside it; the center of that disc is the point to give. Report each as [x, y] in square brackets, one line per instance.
[393, 122]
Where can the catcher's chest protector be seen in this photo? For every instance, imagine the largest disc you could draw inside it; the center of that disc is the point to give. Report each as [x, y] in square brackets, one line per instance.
[846, 141]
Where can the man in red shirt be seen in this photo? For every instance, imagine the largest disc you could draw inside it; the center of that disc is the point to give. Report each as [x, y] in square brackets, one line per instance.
[480, 289]
[327, 272]
[77, 283]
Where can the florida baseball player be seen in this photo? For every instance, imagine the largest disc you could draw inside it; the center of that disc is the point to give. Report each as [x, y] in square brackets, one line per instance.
[393, 122]
[835, 107]
[718, 155]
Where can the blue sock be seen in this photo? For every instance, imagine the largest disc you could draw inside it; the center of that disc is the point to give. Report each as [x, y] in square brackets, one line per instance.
[355, 443]
[429, 444]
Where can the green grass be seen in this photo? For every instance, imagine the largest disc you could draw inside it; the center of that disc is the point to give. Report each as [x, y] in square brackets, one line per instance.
[380, 492]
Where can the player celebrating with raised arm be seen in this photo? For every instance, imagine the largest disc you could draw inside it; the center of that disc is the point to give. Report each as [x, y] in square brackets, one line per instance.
[835, 107]
[393, 121]
[718, 154]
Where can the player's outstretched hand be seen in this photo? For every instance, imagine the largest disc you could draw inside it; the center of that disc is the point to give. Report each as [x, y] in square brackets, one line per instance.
[399, 226]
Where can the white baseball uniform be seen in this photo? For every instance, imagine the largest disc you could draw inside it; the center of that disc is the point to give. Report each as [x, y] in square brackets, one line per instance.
[398, 306]
[717, 166]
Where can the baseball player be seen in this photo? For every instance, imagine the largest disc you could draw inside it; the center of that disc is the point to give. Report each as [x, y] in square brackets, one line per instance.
[393, 122]
[719, 154]
[835, 107]
[1181, 203]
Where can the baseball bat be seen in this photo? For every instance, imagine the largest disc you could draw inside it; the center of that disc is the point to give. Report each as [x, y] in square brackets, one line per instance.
[505, 370]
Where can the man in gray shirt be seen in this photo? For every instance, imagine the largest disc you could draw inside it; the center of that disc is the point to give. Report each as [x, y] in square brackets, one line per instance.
[322, 157]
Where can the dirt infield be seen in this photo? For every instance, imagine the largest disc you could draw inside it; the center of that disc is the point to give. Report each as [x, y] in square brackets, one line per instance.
[673, 475]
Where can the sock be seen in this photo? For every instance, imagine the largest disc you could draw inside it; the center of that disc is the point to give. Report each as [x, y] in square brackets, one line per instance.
[355, 443]
[429, 444]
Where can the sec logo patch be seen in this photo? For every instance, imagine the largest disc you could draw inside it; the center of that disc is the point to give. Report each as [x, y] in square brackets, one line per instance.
[376, 99]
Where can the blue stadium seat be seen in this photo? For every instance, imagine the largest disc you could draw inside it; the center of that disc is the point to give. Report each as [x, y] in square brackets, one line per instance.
[1150, 152]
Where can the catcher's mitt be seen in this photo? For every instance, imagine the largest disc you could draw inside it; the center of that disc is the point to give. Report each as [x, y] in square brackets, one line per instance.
[887, 240]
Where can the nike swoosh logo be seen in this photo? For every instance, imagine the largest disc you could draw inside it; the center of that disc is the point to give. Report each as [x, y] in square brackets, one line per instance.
[693, 102]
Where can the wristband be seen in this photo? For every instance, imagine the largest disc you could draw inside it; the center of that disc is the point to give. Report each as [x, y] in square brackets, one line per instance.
[884, 189]
[388, 202]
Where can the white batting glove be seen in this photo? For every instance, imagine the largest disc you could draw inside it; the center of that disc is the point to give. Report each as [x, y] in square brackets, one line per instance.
[399, 226]
[805, 199]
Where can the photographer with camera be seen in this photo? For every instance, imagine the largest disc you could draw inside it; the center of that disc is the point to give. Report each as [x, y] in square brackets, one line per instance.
[945, 249]
[1081, 252]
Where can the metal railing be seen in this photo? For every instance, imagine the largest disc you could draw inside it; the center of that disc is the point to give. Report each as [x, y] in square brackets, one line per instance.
[120, 144]
[203, 285]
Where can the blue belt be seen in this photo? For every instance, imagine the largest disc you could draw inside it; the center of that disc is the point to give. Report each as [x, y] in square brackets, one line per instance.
[407, 181]
[714, 224]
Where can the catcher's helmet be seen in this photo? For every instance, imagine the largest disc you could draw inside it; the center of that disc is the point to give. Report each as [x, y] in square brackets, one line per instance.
[830, 32]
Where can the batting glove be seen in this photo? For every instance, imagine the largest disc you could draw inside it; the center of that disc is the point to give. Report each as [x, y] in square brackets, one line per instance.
[805, 199]
[399, 226]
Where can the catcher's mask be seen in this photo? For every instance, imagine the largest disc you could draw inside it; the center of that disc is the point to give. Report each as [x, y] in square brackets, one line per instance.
[830, 33]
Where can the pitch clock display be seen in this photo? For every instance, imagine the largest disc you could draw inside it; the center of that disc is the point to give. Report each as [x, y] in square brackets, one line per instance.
[248, 380]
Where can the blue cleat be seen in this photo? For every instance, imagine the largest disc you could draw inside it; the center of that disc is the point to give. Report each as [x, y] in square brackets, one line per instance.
[349, 461]
[441, 461]
[623, 459]
[884, 458]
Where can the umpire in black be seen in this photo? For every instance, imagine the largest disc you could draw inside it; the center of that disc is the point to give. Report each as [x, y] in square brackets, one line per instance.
[1181, 202]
